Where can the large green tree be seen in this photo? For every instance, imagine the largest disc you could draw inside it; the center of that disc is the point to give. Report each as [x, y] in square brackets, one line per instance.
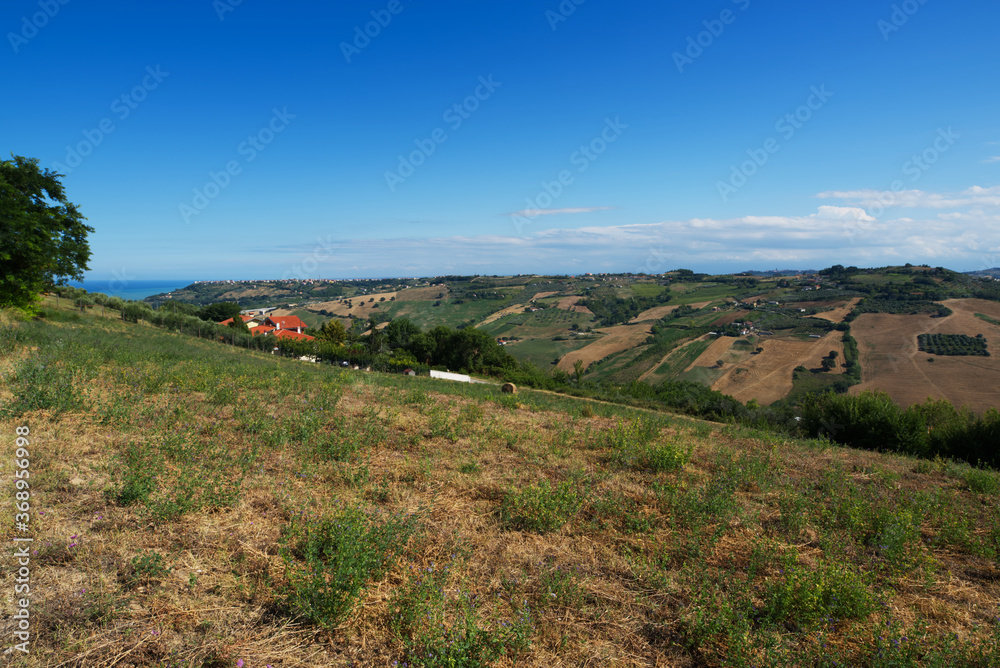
[43, 240]
[219, 311]
[332, 331]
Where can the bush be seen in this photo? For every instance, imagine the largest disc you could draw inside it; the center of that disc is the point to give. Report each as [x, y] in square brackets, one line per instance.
[330, 560]
[808, 596]
[870, 420]
[541, 508]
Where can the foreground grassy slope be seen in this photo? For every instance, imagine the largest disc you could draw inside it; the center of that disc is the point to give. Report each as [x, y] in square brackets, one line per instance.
[199, 505]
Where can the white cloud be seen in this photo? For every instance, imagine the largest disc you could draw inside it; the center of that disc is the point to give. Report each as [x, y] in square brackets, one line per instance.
[992, 159]
[950, 229]
[843, 213]
[916, 199]
[531, 213]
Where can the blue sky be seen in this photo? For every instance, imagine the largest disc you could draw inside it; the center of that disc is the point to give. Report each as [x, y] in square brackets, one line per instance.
[255, 139]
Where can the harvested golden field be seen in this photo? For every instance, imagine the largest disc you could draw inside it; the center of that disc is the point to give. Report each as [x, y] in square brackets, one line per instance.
[616, 339]
[570, 304]
[719, 347]
[658, 312]
[429, 293]
[891, 361]
[679, 350]
[362, 306]
[767, 377]
[730, 317]
[516, 308]
[838, 313]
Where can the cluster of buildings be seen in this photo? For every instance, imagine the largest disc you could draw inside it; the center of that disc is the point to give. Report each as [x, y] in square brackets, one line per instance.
[281, 327]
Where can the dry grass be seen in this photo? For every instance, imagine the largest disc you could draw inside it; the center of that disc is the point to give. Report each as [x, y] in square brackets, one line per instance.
[891, 361]
[767, 377]
[838, 313]
[623, 581]
[570, 304]
[657, 312]
[615, 340]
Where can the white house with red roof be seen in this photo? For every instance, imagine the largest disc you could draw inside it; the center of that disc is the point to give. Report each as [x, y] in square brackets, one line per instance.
[247, 319]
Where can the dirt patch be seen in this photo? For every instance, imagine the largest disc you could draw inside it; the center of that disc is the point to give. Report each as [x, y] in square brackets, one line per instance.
[838, 313]
[421, 294]
[663, 359]
[891, 362]
[362, 308]
[516, 308]
[617, 339]
[755, 298]
[543, 295]
[714, 352]
[731, 317]
[658, 312]
[767, 377]
[570, 304]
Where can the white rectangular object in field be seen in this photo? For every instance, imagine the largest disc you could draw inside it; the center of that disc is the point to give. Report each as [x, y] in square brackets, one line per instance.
[444, 375]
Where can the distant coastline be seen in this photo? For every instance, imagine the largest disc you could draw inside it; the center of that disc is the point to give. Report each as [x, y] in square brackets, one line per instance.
[132, 289]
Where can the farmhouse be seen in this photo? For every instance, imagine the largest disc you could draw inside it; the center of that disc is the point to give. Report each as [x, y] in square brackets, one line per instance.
[247, 319]
[286, 322]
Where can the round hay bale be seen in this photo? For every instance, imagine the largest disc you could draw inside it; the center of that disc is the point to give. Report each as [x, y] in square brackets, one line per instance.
[509, 388]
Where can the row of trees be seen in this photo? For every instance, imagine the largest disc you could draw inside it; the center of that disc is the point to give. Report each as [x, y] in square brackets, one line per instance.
[610, 309]
[873, 421]
[953, 344]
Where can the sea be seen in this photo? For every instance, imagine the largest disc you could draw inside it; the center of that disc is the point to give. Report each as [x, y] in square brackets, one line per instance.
[131, 289]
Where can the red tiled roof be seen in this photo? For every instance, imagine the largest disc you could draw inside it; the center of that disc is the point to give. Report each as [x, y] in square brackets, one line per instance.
[286, 322]
[288, 334]
[262, 329]
[245, 318]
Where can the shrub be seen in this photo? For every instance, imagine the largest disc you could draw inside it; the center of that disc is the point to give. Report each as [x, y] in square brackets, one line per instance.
[982, 482]
[870, 420]
[330, 560]
[541, 508]
[40, 383]
[442, 629]
[807, 596]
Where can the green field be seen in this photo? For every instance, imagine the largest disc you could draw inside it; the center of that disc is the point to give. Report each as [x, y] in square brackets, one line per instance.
[543, 352]
[702, 375]
[647, 289]
[699, 292]
[678, 361]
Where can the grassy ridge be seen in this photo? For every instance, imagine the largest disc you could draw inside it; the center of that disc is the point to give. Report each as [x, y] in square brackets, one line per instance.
[199, 498]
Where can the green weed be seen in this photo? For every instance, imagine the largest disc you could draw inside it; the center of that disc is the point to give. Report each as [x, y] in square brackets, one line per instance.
[541, 508]
[330, 560]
